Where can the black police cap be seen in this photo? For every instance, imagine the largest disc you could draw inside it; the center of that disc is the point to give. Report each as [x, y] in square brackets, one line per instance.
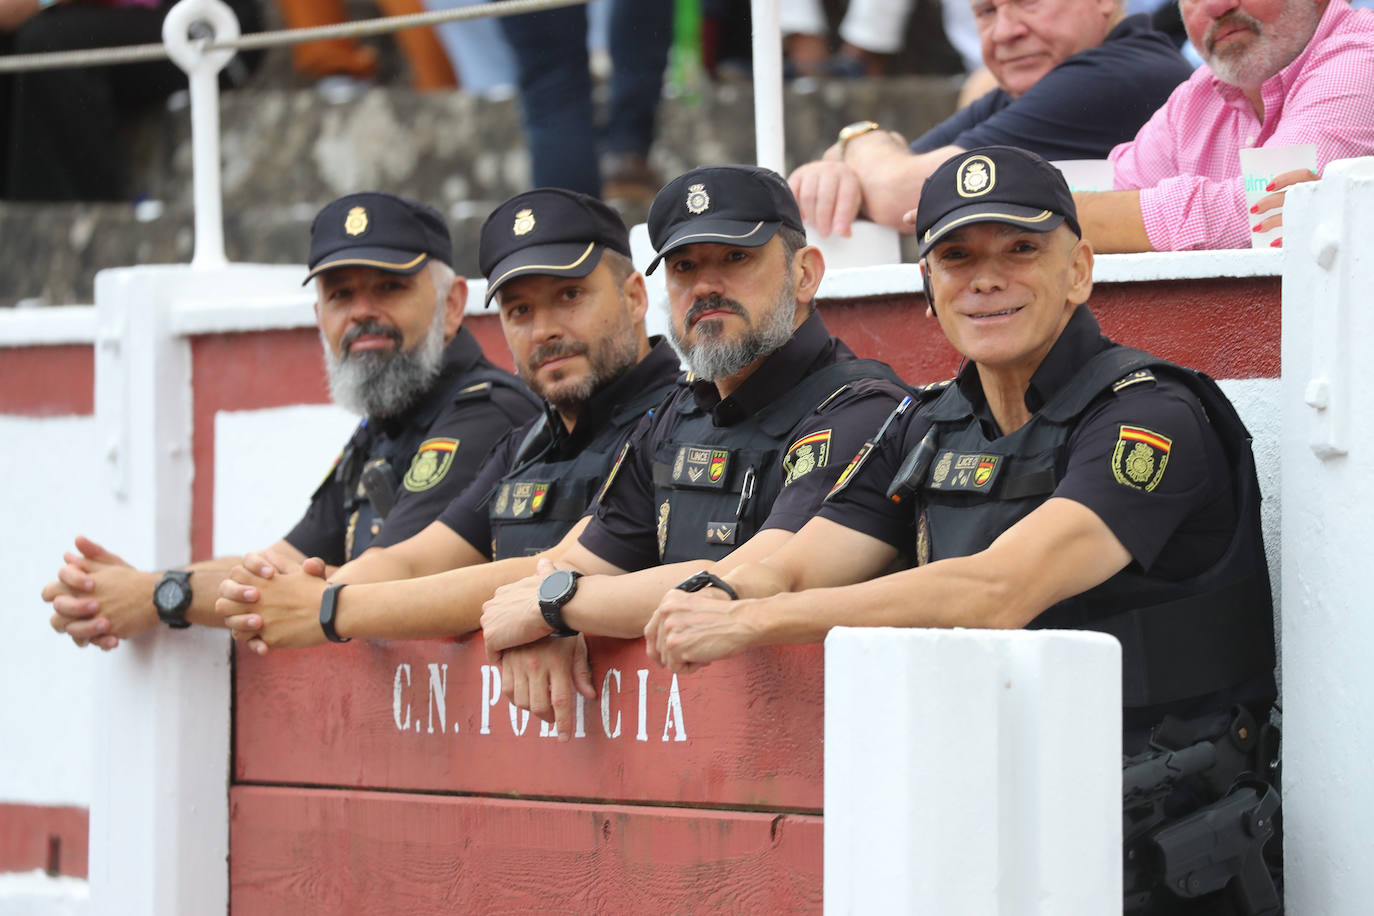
[375, 229]
[723, 204]
[994, 184]
[549, 232]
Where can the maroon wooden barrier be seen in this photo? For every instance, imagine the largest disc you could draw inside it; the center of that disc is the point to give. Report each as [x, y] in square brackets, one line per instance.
[47, 381]
[680, 811]
[335, 853]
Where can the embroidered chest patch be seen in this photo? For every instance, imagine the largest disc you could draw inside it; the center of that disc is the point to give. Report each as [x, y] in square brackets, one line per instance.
[698, 466]
[521, 499]
[973, 472]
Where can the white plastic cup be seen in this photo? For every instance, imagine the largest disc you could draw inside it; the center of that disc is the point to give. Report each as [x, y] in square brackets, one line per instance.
[1259, 166]
[1087, 174]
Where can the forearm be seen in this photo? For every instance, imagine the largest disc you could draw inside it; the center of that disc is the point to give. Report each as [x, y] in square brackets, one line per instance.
[14, 13]
[621, 605]
[447, 604]
[1112, 221]
[891, 175]
[950, 593]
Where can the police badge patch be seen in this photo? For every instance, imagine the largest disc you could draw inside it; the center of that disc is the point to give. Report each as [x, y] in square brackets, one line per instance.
[976, 176]
[524, 221]
[805, 455]
[1140, 457]
[355, 223]
[697, 198]
[663, 528]
[430, 464]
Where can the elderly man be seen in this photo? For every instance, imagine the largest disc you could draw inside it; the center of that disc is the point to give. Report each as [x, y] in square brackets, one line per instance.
[1278, 73]
[572, 307]
[1060, 481]
[1075, 79]
[390, 313]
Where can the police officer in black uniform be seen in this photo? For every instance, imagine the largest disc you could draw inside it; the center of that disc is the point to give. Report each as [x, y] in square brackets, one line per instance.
[390, 313]
[1061, 480]
[748, 445]
[572, 307]
[407, 460]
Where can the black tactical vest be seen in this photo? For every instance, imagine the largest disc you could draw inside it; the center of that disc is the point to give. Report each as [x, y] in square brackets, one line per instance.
[1180, 640]
[539, 501]
[373, 463]
[714, 486]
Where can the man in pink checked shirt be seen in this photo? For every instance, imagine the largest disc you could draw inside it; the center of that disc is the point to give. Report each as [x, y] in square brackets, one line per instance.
[1278, 73]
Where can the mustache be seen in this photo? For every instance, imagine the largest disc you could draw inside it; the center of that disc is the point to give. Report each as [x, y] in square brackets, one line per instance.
[555, 350]
[371, 327]
[712, 303]
[1233, 18]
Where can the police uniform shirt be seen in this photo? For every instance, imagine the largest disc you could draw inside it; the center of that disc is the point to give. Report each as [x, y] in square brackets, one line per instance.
[624, 529]
[449, 454]
[1174, 526]
[469, 515]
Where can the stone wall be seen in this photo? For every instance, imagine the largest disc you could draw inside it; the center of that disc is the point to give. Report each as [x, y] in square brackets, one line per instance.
[286, 152]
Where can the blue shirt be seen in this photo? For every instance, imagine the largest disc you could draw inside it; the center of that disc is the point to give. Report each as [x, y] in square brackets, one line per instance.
[1080, 109]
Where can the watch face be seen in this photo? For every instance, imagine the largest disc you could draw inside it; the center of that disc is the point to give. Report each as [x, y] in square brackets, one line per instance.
[168, 594]
[555, 586]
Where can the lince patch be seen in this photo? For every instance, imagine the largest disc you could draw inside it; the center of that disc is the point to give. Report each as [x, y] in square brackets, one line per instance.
[430, 464]
[805, 455]
[972, 472]
[1140, 457]
[521, 499]
[700, 466]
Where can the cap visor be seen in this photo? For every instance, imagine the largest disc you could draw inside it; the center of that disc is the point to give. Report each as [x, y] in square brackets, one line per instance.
[565, 259]
[1010, 214]
[719, 232]
[389, 259]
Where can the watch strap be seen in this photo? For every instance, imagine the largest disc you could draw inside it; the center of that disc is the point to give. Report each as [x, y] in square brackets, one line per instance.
[329, 612]
[697, 581]
[552, 611]
[174, 617]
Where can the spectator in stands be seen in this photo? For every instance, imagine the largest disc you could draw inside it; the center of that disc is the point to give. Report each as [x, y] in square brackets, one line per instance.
[345, 66]
[872, 31]
[390, 312]
[58, 128]
[556, 93]
[1076, 78]
[1278, 73]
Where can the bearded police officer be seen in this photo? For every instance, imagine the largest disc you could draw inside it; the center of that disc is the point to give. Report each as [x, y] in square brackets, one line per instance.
[1061, 481]
[572, 307]
[390, 314]
[743, 452]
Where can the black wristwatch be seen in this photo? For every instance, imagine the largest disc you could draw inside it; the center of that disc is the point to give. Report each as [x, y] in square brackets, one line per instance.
[704, 579]
[556, 590]
[172, 597]
[329, 612]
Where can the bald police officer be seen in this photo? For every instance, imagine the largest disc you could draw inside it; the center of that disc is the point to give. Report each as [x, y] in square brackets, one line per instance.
[1060, 480]
[390, 313]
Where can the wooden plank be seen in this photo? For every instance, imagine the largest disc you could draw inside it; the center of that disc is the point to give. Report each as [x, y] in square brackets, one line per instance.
[298, 852]
[427, 715]
[47, 381]
[50, 837]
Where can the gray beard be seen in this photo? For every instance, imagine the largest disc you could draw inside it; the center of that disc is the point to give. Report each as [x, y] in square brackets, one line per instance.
[377, 384]
[713, 358]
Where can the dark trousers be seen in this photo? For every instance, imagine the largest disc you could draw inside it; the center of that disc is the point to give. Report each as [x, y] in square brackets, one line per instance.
[556, 87]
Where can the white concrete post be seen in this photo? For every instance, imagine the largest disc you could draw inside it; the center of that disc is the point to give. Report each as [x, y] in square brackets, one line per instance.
[203, 71]
[769, 141]
[1327, 484]
[159, 837]
[972, 771]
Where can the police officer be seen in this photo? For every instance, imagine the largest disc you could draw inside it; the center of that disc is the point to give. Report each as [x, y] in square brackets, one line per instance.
[744, 451]
[572, 308]
[390, 312]
[1060, 480]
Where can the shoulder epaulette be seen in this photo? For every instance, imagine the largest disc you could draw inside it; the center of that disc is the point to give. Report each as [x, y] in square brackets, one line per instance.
[1133, 378]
